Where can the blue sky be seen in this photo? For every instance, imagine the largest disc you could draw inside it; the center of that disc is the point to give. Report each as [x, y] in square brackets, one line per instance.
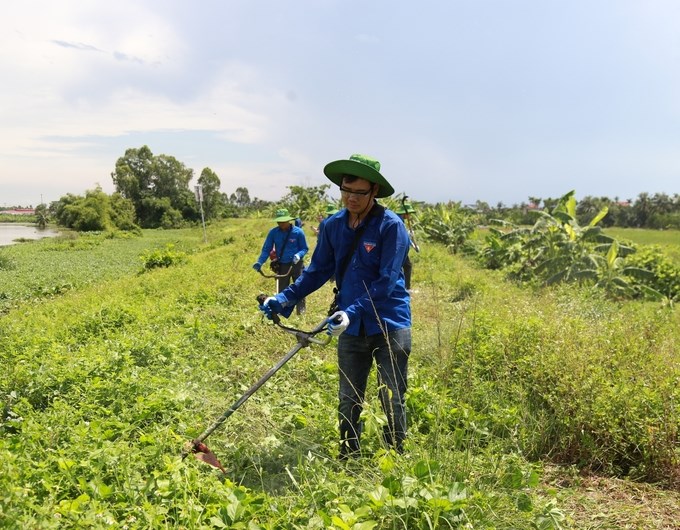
[462, 100]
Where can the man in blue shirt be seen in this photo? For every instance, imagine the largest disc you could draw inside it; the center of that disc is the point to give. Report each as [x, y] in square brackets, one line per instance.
[364, 245]
[286, 246]
[404, 211]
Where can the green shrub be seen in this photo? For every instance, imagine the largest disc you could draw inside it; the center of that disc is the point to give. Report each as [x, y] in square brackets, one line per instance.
[580, 382]
[665, 277]
[160, 258]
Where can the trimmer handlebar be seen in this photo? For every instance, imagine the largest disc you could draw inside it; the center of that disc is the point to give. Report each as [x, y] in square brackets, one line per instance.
[302, 336]
[276, 275]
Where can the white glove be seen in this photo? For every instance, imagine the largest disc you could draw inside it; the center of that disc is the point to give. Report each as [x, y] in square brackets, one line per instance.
[296, 258]
[337, 323]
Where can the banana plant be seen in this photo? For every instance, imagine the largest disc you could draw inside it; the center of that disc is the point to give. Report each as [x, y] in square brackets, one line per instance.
[614, 276]
[559, 249]
[566, 250]
[447, 224]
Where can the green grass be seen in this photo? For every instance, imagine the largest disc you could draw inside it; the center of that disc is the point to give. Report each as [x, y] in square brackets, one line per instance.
[513, 396]
[34, 270]
[23, 219]
[668, 240]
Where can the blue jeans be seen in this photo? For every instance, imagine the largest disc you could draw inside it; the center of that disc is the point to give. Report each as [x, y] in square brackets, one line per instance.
[355, 359]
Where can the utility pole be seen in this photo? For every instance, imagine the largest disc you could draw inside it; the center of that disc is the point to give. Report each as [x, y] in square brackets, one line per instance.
[198, 190]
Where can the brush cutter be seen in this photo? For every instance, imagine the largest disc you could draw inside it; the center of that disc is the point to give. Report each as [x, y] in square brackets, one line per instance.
[304, 338]
[277, 276]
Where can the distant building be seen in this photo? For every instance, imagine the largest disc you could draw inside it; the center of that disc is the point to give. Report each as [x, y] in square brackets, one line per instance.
[532, 206]
[19, 211]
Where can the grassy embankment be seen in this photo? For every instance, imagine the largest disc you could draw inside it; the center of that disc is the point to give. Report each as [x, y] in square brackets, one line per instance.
[511, 392]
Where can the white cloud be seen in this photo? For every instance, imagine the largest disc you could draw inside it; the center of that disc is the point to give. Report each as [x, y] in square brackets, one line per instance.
[82, 71]
[489, 115]
[77, 81]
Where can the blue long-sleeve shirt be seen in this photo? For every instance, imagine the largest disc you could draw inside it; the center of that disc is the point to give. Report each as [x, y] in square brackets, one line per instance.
[373, 281]
[297, 244]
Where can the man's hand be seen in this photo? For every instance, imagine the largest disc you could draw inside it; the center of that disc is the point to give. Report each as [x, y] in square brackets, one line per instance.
[273, 304]
[337, 323]
[296, 258]
[270, 307]
[257, 266]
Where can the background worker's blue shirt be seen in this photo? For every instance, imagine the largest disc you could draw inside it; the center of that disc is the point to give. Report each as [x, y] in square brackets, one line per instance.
[297, 244]
[373, 281]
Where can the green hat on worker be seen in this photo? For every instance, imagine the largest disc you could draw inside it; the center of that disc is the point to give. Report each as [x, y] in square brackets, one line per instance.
[404, 208]
[282, 216]
[331, 209]
[361, 166]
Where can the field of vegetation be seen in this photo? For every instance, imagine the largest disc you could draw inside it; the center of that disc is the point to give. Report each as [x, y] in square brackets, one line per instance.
[668, 240]
[34, 270]
[545, 408]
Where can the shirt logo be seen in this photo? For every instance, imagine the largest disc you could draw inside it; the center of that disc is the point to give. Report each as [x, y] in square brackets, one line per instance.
[369, 245]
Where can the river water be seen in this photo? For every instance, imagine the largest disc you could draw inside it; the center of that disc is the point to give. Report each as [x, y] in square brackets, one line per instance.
[11, 231]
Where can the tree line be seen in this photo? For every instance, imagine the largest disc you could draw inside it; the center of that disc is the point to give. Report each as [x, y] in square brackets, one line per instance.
[657, 211]
[153, 191]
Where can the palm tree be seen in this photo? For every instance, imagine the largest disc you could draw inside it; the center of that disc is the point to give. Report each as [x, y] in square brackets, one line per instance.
[642, 210]
[41, 215]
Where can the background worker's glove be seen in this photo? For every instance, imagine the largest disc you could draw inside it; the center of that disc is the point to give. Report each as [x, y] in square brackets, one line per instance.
[296, 258]
[337, 323]
[257, 266]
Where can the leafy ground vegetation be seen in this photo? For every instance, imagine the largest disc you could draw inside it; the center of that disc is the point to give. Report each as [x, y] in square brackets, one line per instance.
[529, 408]
[34, 270]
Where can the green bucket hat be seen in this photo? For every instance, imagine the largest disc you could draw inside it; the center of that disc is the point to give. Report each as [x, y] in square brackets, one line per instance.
[283, 216]
[361, 166]
[331, 209]
[405, 208]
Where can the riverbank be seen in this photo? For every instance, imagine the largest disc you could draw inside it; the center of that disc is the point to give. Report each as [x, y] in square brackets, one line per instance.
[12, 233]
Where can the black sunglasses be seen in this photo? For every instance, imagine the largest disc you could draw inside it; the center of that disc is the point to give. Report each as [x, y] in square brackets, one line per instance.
[355, 193]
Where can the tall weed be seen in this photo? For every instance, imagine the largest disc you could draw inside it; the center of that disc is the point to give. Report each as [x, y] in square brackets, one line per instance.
[568, 376]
